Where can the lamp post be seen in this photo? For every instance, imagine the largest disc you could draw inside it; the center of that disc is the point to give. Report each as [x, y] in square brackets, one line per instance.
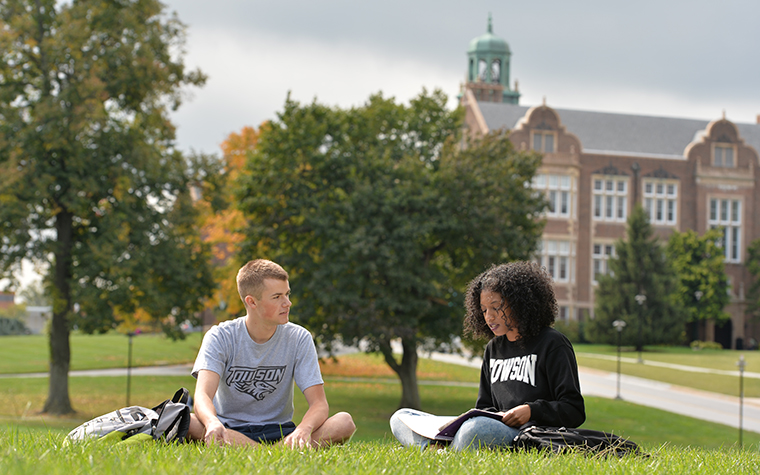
[640, 299]
[129, 365]
[619, 325]
[741, 364]
[698, 296]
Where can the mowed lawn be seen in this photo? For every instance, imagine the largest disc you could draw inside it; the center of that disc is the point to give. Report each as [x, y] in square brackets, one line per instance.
[29, 353]
[722, 360]
[364, 386]
[22, 453]
[359, 383]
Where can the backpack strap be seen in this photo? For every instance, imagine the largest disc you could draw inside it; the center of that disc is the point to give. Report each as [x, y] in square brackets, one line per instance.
[173, 420]
[181, 396]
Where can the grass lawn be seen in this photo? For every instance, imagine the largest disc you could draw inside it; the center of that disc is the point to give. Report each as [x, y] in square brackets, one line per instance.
[30, 443]
[29, 353]
[715, 359]
[22, 453]
[371, 404]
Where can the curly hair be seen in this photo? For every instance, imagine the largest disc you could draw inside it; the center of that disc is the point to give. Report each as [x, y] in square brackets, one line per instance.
[525, 288]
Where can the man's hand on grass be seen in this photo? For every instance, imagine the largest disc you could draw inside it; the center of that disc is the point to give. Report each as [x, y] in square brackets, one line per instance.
[298, 439]
[216, 433]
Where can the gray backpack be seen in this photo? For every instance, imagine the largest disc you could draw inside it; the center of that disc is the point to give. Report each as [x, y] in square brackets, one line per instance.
[169, 421]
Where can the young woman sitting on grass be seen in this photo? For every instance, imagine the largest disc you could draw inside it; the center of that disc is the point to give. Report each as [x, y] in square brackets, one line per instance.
[529, 372]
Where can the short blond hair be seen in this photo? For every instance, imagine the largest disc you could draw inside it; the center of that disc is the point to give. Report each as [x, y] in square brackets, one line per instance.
[250, 277]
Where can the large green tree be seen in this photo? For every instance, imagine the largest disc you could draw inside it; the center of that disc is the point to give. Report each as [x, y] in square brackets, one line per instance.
[89, 180]
[639, 269]
[382, 215]
[753, 265]
[702, 282]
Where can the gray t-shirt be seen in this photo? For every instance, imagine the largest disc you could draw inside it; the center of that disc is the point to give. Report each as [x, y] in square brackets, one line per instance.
[256, 380]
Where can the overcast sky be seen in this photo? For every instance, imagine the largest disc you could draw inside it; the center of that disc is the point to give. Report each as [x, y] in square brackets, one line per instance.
[679, 58]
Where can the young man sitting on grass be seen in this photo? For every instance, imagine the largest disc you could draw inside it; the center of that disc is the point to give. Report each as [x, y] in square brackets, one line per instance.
[246, 369]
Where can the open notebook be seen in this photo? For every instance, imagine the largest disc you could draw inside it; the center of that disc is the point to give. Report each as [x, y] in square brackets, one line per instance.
[442, 427]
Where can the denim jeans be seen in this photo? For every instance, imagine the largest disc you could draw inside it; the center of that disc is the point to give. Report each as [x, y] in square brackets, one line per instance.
[475, 433]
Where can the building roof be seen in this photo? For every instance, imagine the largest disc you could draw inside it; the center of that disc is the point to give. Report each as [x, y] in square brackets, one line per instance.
[488, 43]
[626, 134]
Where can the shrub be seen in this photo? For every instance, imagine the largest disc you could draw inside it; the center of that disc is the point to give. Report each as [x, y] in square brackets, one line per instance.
[11, 326]
[574, 330]
[697, 345]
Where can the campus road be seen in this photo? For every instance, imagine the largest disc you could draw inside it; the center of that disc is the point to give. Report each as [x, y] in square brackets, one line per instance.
[703, 405]
[680, 400]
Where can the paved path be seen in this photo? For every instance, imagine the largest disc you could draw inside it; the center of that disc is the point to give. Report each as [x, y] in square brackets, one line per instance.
[703, 405]
[689, 402]
[171, 370]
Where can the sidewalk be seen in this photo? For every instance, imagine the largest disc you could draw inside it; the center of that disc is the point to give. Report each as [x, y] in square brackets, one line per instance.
[703, 405]
[171, 370]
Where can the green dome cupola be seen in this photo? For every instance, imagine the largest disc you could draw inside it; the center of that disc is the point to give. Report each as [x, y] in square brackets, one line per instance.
[488, 63]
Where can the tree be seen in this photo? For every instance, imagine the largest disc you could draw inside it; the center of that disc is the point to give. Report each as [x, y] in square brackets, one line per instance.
[753, 265]
[381, 217]
[34, 294]
[641, 269]
[89, 180]
[221, 219]
[702, 282]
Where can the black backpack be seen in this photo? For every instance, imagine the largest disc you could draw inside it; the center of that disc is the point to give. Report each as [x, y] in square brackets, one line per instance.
[561, 439]
[169, 421]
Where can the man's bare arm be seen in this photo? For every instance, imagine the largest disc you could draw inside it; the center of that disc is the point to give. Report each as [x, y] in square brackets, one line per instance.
[205, 389]
[315, 416]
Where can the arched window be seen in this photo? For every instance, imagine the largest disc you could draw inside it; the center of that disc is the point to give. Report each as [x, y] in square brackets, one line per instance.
[482, 70]
[496, 71]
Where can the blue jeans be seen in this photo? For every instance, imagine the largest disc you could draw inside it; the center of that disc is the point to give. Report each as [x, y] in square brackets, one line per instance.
[475, 433]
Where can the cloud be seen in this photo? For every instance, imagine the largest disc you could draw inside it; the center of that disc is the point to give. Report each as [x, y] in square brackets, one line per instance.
[681, 58]
[250, 76]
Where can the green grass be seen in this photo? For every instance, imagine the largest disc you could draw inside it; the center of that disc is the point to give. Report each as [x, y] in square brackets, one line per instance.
[371, 404]
[29, 353]
[22, 452]
[714, 359]
[30, 443]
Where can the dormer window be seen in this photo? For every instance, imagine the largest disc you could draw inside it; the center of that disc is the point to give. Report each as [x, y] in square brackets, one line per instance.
[543, 142]
[723, 155]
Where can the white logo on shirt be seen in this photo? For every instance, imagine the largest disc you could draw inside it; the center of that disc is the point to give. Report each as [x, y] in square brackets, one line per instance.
[519, 368]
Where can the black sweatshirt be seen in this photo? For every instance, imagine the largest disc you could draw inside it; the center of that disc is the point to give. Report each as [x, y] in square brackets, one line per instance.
[543, 375]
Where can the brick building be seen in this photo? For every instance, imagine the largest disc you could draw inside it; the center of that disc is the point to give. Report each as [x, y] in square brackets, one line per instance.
[688, 174]
[6, 299]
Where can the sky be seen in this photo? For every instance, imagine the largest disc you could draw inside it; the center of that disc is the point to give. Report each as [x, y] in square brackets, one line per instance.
[675, 58]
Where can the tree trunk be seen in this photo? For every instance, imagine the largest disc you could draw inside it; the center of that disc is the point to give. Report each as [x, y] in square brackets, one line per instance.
[406, 371]
[58, 401]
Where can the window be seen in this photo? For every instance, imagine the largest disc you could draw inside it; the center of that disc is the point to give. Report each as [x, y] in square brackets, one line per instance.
[543, 141]
[661, 201]
[726, 213]
[610, 199]
[723, 156]
[6, 297]
[557, 258]
[600, 257]
[482, 70]
[559, 192]
[564, 313]
[495, 71]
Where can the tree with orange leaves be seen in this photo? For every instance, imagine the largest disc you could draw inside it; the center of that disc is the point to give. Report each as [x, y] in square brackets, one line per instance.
[221, 220]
